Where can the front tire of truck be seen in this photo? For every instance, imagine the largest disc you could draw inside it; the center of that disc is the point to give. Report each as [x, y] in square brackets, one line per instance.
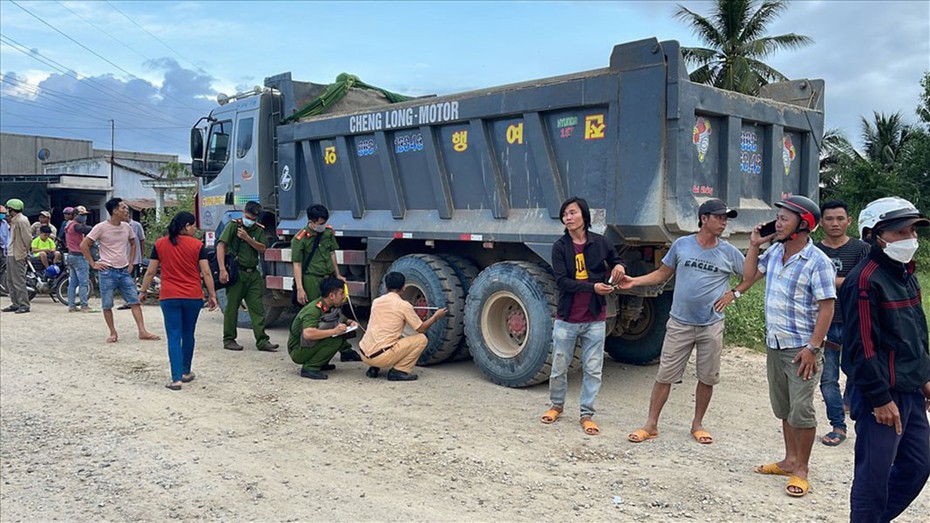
[508, 323]
[431, 282]
[641, 342]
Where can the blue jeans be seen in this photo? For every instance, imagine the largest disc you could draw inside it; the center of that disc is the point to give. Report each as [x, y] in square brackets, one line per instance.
[180, 321]
[564, 337]
[830, 379]
[78, 277]
[112, 280]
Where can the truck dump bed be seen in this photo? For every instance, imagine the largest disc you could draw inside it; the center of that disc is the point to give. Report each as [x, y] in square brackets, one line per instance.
[638, 140]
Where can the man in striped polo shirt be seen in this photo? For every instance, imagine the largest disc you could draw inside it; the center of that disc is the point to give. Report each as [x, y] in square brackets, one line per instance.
[799, 303]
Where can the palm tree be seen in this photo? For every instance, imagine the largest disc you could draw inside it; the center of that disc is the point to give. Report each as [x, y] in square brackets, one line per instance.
[884, 139]
[736, 44]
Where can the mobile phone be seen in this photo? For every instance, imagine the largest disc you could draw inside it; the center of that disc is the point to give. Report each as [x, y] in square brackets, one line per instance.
[767, 229]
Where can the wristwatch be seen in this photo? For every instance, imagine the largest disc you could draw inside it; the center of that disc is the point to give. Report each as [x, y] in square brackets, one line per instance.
[736, 293]
[815, 350]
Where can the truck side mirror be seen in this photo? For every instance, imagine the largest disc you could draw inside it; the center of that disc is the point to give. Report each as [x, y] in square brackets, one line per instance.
[196, 143]
[197, 167]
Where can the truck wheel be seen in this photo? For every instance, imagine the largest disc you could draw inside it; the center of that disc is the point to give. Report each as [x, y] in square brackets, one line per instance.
[509, 323]
[431, 282]
[641, 343]
[466, 272]
[243, 321]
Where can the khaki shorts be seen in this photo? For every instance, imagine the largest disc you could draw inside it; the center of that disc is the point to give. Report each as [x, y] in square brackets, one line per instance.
[792, 396]
[680, 339]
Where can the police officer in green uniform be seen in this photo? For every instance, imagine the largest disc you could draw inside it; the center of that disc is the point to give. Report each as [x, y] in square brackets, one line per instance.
[317, 242]
[315, 332]
[245, 241]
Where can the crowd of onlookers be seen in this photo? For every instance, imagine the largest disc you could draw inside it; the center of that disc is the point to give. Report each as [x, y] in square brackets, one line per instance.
[839, 304]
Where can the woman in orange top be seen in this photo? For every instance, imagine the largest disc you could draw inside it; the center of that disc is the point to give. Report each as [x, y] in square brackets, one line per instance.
[180, 255]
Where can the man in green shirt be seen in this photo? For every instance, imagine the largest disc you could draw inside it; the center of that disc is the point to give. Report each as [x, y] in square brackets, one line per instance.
[245, 241]
[313, 254]
[317, 333]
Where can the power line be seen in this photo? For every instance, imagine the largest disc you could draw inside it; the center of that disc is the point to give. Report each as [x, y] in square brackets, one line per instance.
[107, 33]
[159, 40]
[68, 72]
[88, 49]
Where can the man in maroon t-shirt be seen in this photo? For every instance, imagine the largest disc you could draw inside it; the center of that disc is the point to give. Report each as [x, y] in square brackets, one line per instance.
[581, 261]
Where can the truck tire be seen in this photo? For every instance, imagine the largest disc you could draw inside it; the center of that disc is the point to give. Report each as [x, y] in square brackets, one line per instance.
[641, 344]
[243, 321]
[431, 282]
[466, 272]
[508, 323]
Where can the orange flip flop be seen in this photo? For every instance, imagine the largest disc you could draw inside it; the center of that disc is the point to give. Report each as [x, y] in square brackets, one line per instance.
[641, 435]
[551, 415]
[590, 428]
[703, 437]
[799, 483]
[772, 469]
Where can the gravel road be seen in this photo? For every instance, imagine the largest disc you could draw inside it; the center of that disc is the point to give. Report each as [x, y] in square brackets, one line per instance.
[89, 432]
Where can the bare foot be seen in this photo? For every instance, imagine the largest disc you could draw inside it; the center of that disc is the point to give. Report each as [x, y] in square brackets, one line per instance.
[148, 336]
[113, 338]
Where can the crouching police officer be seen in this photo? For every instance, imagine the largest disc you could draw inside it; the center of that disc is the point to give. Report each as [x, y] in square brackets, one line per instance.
[319, 331]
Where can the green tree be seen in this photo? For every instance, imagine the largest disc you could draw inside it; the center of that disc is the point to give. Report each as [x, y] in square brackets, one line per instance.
[923, 108]
[157, 227]
[884, 139]
[734, 34]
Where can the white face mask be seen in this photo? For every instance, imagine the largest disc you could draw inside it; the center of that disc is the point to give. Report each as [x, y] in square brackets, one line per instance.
[319, 228]
[902, 250]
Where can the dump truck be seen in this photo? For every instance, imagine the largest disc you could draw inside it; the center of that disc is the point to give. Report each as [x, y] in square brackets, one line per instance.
[461, 193]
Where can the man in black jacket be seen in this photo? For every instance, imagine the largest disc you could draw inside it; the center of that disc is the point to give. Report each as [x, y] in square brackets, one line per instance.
[889, 366]
[586, 268]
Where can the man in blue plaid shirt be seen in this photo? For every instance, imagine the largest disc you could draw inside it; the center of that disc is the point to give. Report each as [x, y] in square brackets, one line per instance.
[799, 301]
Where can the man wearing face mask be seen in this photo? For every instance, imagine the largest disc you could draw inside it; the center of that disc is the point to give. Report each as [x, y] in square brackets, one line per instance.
[245, 242]
[313, 254]
[77, 266]
[889, 364]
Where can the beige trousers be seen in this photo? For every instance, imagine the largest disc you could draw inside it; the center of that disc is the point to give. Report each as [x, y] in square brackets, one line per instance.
[401, 356]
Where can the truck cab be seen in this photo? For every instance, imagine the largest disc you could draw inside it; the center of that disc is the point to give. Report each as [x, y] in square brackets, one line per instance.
[233, 154]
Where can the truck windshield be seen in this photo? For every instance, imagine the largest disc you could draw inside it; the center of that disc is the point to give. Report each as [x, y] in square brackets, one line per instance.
[217, 148]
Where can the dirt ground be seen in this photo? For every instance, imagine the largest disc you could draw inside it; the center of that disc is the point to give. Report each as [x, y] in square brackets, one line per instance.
[89, 432]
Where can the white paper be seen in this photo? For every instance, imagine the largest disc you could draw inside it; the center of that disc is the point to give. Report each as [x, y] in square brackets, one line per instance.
[348, 330]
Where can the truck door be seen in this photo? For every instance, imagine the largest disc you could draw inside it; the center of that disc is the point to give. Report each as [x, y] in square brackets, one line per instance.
[245, 157]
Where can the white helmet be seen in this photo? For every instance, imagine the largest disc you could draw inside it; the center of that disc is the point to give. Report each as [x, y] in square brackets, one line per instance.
[887, 209]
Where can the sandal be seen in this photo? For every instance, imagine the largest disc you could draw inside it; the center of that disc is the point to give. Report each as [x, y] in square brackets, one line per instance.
[590, 428]
[641, 435]
[772, 469]
[798, 483]
[187, 378]
[703, 437]
[173, 386]
[551, 415]
[833, 435]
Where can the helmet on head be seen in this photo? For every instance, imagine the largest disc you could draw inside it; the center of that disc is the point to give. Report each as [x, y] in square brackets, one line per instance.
[52, 271]
[15, 203]
[67, 210]
[889, 209]
[803, 207]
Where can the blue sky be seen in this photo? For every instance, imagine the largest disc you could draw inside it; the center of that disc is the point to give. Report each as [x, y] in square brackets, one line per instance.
[155, 67]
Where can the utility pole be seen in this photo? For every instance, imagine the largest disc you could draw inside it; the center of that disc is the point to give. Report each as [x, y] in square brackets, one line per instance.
[112, 147]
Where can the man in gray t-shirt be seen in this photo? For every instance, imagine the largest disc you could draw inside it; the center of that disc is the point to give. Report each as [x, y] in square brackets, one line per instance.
[703, 264]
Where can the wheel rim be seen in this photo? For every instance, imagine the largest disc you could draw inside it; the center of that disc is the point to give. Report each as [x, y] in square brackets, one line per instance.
[415, 295]
[642, 325]
[505, 324]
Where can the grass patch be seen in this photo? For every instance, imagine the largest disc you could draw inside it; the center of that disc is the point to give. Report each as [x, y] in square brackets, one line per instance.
[745, 318]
